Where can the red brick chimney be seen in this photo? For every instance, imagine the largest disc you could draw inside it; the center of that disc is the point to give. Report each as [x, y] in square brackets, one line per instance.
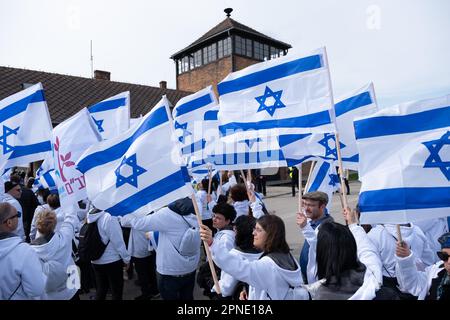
[102, 75]
[163, 84]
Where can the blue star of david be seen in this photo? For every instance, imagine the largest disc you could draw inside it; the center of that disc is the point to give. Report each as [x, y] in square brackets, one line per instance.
[328, 151]
[434, 160]
[3, 139]
[182, 126]
[250, 142]
[99, 124]
[334, 180]
[267, 94]
[131, 179]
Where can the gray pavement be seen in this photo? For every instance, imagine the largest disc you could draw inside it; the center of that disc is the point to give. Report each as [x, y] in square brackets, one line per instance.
[279, 201]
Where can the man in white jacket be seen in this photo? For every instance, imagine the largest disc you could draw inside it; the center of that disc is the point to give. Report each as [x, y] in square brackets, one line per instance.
[12, 194]
[175, 267]
[108, 268]
[21, 275]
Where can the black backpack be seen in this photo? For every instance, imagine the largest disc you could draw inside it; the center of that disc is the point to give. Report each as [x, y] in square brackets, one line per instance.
[91, 246]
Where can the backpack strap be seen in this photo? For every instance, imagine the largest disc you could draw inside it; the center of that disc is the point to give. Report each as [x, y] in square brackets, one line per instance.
[12, 294]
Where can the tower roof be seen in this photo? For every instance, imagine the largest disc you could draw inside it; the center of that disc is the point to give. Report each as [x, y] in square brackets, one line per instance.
[233, 27]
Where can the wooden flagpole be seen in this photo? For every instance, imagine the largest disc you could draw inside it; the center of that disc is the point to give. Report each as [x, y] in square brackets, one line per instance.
[206, 246]
[300, 192]
[308, 182]
[210, 179]
[399, 234]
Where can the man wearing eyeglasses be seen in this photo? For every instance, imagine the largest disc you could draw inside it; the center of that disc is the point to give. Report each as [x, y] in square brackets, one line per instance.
[12, 194]
[21, 275]
[431, 284]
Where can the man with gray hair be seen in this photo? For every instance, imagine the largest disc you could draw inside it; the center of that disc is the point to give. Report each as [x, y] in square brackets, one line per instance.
[314, 213]
[22, 276]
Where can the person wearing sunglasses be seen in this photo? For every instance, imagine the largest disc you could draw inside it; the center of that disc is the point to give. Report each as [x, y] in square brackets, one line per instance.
[21, 275]
[433, 283]
[12, 195]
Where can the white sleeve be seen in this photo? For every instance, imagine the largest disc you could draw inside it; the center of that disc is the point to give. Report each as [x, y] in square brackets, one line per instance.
[116, 238]
[158, 221]
[367, 252]
[410, 279]
[257, 208]
[252, 272]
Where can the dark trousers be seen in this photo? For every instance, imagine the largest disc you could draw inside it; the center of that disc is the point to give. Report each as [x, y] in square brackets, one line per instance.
[294, 182]
[146, 273]
[347, 186]
[176, 287]
[109, 275]
[261, 185]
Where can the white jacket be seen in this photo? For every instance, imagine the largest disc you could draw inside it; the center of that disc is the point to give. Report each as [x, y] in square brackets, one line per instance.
[171, 227]
[384, 238]
[227, 282]
[264, 276]
[311, 236]
[413, 281]
[138, 244]
[110, 230]
[13, 201]
[59, 249]
[20, 268]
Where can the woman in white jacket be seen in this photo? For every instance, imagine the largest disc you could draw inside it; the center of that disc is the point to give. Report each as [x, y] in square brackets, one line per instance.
[56, 245]
[269, 277]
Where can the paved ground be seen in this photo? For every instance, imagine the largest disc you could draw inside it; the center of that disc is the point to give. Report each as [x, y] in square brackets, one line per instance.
[279, 200]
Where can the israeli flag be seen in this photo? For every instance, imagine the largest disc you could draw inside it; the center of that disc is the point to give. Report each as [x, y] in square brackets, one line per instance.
[189, 116]
[140, 169]
[112, 115]
[291, 94]
[45, 176]
[404, 162]
[244, 153]
[298, 148]
[26, 128]
[324, 178]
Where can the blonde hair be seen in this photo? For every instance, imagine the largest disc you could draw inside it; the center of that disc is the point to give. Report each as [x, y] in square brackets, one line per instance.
[46, 222]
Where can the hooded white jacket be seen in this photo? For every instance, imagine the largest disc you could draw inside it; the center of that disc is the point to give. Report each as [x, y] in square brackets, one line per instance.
[171, 227]
[205, 211]
[59, 249]
[110, 230]
[384, 237]
[13, 201]
[20, 268]
[264, 276]
[413, 281]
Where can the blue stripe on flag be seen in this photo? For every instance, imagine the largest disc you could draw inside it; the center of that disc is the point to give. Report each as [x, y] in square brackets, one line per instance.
[352, 103]
[293, 162]
[211, 115]
[269, 74]
[416, 122]
[196, 146]
[354, 158]
[321, 174]
[286, 139]
[107, 105]
[404, 199]
[21, 105]
[20, 151]
[306, 121]
[152, 192]
[193, 105]
[48, 178]
[116, 151]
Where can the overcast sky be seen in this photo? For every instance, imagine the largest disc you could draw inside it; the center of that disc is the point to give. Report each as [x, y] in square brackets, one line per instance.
[403, 46]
